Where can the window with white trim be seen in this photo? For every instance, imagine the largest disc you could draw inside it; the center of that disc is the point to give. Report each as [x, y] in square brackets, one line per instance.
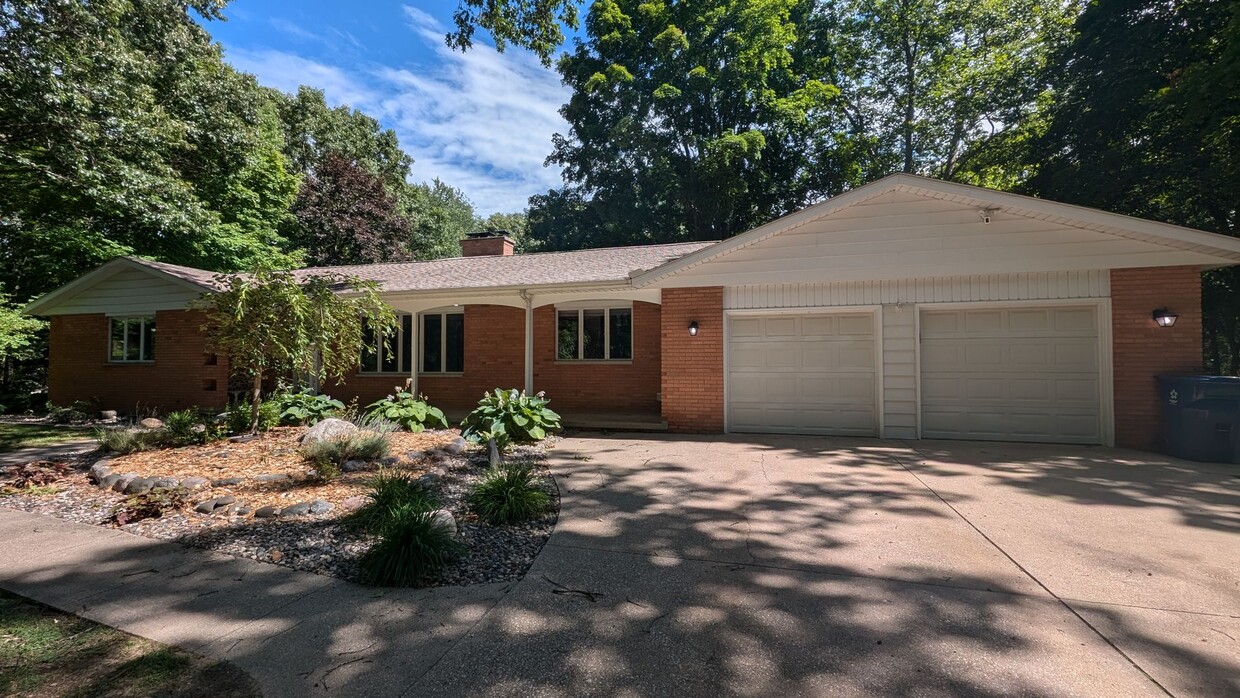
[131, 339]
[443, 342]
[395, 353]
[594, 334]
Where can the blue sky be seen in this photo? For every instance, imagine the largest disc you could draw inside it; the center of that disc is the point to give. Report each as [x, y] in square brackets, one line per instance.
[480, 121]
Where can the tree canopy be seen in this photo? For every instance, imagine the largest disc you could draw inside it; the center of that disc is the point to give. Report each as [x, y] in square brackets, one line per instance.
[273, 323]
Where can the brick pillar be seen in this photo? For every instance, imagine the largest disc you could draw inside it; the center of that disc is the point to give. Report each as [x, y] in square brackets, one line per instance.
[1143, 350]
[692, 371]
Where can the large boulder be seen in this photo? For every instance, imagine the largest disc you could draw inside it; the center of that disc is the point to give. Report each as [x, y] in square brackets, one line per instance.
[328, 430]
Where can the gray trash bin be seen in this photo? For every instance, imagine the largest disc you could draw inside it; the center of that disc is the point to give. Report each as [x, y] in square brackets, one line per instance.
[1201, 417]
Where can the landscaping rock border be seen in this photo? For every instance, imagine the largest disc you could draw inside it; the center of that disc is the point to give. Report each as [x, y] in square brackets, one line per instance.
[311, 536]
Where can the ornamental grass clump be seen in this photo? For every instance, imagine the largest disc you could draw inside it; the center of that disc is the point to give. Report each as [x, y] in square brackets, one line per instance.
[129, 440]
[330, 456]
[390, 491]
[412, 546]
[508, 494]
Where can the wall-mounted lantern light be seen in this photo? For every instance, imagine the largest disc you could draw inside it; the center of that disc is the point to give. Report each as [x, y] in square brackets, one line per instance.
[693, 328]
[1165, 317]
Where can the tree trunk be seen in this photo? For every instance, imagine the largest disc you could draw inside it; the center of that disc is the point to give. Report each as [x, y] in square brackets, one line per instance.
[256, 400]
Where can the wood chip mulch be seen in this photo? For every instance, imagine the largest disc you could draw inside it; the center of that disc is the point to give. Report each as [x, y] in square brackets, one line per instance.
[274, 452]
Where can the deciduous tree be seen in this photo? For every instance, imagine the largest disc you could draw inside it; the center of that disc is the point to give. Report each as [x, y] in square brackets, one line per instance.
[274, 323]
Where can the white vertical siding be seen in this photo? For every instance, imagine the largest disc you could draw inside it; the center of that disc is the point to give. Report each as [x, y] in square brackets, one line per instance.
[899, 387]
[982, 287]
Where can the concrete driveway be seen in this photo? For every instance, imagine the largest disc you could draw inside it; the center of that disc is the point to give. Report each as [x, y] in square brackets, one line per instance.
[814, 566]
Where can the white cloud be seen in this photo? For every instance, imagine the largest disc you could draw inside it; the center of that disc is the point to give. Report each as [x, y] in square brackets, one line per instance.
[287, 72]
[480, 121]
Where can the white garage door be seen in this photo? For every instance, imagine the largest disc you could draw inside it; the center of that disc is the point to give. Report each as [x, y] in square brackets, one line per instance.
[802, 374]
[1017, 374]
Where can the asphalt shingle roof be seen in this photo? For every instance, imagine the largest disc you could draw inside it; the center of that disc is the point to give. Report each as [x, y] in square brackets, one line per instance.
[603, 265]
[609, 264]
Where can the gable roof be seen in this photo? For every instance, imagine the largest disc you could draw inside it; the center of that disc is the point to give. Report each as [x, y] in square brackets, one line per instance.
[1223, 248]
[607, 265]
[189, 278]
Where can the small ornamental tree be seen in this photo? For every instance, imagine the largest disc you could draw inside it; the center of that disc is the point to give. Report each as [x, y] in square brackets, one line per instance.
[271, 322]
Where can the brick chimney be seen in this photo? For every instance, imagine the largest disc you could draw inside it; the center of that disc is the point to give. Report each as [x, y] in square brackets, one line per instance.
[489, 243]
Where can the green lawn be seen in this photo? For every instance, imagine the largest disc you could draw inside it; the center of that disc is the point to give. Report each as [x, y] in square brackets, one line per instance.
[15, 436]
[44, 652]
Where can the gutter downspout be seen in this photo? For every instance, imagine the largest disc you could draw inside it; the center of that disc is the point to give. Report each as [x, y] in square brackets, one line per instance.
[529, 341]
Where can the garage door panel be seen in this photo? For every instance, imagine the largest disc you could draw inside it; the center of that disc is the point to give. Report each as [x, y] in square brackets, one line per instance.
[803, 374]
[1028, 373]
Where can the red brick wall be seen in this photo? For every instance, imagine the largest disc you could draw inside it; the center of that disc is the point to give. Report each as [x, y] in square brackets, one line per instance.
[1143, 350]
[630, 387]
[178, 378]
[693, 366]
[494, 358]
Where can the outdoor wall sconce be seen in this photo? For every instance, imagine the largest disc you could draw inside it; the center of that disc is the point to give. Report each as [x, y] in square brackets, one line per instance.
[1165, 317]
[693, 328]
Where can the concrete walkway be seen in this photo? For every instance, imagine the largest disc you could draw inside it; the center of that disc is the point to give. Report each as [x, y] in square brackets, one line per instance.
[740, 566]
[297, 633]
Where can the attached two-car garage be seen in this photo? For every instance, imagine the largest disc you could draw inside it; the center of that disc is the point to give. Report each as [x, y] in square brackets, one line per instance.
[1016, 373]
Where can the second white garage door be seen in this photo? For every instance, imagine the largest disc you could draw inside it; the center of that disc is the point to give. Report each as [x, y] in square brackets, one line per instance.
[802, 374]
[1014, 374]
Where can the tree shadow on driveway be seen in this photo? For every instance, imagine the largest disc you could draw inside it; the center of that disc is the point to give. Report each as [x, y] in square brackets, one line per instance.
[679, 567]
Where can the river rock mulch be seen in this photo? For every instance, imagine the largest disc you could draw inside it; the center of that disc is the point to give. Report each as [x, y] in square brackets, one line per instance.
[322, 543]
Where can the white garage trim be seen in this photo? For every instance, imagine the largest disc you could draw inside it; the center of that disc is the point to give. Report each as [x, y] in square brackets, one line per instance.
[875, 312]
[1102, 307]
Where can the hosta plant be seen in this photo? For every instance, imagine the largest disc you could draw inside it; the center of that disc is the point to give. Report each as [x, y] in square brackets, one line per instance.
[510, 417]
[411, 412]
[304, 407]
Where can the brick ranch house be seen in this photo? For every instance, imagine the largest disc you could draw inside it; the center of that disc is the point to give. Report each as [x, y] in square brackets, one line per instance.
[907, 308]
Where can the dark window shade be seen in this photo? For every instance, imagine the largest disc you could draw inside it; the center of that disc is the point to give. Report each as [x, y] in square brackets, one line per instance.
[116, 350]
[133, 340]
[370, 360]
[566, 335]
[593, 329]
[432, 343]
[148, 338]
[455, 355]
[621, 330]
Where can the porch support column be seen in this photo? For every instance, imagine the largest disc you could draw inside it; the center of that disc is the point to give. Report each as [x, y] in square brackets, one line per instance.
[529, 342]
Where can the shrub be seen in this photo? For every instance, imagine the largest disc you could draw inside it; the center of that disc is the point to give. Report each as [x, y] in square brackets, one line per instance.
[508, 494]
[130, 440]
[390, 491]
[361, 445]
[508, 417]
[238, 417]
[304, 407]
[411, 547]
[188, 427]
[79, 411]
